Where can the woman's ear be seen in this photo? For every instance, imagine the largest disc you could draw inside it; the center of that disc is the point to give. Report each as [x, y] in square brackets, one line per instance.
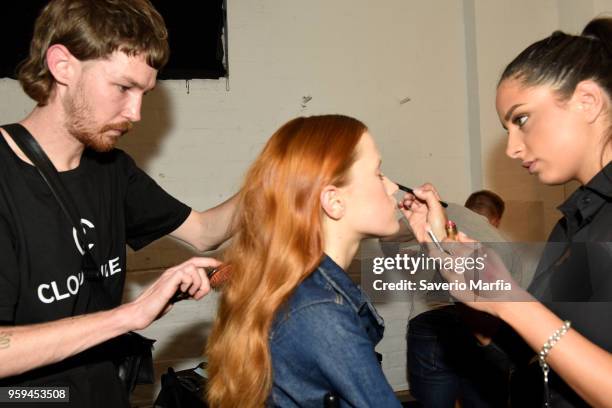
[590, 100]
[332, 202]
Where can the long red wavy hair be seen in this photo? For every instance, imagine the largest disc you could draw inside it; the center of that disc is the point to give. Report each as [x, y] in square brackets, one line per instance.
[278, 243]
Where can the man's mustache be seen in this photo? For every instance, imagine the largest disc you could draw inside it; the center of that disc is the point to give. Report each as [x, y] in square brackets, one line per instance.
[122, 127]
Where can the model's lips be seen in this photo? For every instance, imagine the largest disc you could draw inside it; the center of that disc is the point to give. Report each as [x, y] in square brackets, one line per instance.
[530, 165]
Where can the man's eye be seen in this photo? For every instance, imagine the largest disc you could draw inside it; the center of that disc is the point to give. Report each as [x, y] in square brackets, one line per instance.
[123, 88]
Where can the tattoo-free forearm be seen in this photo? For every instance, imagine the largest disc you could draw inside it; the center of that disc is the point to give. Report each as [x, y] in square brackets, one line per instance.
[208, 229]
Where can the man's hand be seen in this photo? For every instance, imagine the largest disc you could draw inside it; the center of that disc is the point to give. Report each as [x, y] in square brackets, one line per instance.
[189, 277]
[23, 348]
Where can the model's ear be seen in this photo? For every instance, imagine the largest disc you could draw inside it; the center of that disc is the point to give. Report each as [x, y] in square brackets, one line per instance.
[589, 100]
[332, 202]
[62, 64]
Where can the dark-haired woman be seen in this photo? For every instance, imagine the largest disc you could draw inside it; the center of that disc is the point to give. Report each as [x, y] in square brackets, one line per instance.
[555, 101]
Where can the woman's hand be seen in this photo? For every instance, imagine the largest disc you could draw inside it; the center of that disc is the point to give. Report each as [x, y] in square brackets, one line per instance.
[424, 211]
[486, 284]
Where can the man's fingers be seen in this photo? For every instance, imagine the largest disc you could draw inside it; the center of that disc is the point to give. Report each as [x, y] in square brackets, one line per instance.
[198, 262]
[203, 262]
[204, 286]
[192, 279]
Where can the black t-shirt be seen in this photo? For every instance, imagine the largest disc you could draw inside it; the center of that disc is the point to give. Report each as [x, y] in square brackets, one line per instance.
[41, 259]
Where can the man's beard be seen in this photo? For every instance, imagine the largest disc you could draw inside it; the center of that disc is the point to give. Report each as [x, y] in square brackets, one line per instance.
[80, 125]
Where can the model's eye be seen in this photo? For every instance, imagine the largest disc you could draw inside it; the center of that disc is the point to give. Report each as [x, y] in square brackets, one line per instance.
[520, 120]
[123, 88]
[381, 176]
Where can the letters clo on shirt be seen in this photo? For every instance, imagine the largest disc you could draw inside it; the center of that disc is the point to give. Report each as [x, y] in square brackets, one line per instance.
[54, 291]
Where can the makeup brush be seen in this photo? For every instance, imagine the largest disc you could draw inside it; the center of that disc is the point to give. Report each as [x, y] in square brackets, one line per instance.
[411, 191]
[216, 276]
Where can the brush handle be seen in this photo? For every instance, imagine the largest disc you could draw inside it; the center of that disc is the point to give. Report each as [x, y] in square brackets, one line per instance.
[411, 191]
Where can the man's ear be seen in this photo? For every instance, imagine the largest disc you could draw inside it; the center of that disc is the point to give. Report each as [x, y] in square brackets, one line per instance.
[589, 99]
[332, 202]
[61, 63]
[495, 221]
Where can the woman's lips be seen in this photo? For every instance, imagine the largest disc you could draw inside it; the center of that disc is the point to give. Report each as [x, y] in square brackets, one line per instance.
[530, 166]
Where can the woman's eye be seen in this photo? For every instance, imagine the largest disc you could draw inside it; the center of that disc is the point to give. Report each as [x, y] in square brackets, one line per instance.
[381, 176]
[520, 120]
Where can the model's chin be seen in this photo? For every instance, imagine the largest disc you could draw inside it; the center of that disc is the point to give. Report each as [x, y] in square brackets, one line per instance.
[392, 228]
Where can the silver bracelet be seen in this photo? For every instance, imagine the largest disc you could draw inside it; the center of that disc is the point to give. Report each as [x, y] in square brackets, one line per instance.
[550, 343]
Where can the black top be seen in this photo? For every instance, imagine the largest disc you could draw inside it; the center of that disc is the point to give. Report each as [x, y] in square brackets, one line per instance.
[574, 276]
[41, 259]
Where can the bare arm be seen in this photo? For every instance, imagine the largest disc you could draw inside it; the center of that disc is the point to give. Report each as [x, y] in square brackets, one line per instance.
[208, 229]
[23, 348]
[583, 365]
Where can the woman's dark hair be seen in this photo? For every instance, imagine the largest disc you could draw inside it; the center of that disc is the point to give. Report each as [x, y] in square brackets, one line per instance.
[563, 60]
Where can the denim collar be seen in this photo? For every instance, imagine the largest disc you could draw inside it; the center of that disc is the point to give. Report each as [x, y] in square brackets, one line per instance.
[341, 282]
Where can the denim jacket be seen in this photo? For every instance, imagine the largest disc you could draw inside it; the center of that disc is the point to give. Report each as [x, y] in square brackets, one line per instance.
[322, 340]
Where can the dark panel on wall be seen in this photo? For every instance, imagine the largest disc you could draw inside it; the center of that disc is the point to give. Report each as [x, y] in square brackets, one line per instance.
[195, 34]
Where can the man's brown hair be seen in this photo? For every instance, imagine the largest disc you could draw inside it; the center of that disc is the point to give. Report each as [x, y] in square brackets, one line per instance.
[486, 203]
[92, 29]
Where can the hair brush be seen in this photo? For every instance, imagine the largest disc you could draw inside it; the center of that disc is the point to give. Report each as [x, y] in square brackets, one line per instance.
[216, 277]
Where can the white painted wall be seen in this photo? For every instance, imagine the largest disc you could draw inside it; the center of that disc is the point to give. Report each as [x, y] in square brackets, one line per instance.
[356, 57]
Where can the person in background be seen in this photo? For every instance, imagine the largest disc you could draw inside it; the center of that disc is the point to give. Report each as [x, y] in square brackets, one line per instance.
[488, 204]
[447, 362]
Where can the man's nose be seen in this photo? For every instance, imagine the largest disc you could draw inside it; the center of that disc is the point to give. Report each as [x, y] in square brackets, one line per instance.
[133, 108]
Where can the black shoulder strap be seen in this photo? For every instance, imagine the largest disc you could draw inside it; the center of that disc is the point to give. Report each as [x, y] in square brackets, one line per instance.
[48, 172]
